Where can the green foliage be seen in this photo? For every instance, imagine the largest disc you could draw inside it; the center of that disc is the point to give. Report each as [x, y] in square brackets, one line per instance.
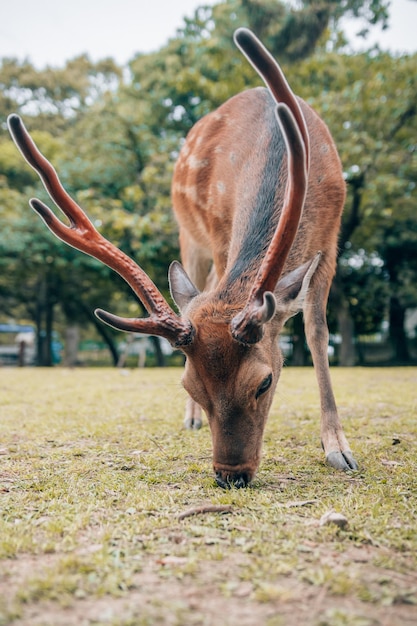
[114, 140]
[366, 287]
[369, 102]
[53, 92]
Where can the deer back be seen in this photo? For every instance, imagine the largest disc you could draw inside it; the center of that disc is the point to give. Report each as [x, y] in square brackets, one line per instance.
[229, 183]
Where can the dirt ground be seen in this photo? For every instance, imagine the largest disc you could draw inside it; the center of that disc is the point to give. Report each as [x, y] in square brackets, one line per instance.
[162, 594]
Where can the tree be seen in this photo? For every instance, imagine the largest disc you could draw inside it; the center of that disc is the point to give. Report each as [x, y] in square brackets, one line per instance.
[59, 93]
[292, 31]
[115, 144]
[369, 102]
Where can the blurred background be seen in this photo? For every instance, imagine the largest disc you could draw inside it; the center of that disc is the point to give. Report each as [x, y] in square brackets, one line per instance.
[110, 89]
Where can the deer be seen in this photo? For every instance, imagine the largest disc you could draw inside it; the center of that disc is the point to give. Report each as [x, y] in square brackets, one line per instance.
[258, 193]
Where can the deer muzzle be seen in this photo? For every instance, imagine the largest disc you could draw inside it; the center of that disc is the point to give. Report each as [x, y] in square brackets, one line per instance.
[234, 475]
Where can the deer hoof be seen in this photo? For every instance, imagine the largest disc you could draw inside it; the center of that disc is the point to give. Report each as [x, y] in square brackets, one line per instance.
[342, 460]
[192, 423]
[348, 456]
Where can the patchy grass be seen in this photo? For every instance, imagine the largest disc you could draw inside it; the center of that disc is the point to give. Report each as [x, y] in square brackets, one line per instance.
[95, 469]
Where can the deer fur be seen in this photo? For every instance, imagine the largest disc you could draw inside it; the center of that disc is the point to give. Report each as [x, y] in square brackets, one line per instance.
[231, 168]
[258, 193]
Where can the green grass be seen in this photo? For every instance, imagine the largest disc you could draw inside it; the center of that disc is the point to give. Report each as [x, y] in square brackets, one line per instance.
[95, 468]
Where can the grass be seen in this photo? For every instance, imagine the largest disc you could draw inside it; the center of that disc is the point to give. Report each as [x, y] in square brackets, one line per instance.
[95, 469]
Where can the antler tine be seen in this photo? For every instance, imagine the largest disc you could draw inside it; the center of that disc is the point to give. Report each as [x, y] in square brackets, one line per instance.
[271, 73]
[260, 306]
[247, 326]
[295, 193]
[82, 235]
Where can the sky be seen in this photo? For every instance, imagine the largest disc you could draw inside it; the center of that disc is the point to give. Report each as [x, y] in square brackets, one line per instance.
[50, 32]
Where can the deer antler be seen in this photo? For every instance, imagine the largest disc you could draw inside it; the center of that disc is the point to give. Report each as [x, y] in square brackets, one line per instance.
[82, 235]
[260, 307]
[271, 73]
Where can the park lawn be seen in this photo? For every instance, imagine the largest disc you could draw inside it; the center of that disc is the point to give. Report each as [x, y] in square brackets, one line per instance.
[95, 470]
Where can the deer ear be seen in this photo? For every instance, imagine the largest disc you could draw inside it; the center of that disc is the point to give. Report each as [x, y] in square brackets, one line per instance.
[181, 287]
[291, 291]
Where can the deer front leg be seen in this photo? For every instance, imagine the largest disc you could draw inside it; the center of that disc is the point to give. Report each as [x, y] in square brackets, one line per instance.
[335, 445]
[193, 416]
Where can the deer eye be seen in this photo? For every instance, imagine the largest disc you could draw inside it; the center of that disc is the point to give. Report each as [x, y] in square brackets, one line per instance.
[264, 386]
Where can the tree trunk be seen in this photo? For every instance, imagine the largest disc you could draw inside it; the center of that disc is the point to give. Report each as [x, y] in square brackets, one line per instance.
[299, 353]
[102, 331]
[397, 334]
[347, 356]
[160, 357]
[21, 357]
[107, 338]
[44, 323]
[72, 338]
[49, 321]
[347, 352]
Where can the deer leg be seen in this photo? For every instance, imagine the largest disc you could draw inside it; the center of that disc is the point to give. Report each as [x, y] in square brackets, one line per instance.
[193, 419]
[334, 442]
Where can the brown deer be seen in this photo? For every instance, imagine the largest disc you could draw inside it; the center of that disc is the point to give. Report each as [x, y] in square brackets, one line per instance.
[258, 194]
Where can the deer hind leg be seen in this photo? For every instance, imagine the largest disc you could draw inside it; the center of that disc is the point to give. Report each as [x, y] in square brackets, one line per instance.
[199, 267]
[334, 442]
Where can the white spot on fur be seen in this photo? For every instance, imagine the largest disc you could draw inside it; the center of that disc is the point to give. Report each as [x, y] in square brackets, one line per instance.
[190, 192]
[221, 187]
[195, 164]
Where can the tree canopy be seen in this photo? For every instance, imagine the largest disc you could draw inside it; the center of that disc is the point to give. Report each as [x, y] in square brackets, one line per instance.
[114, 135]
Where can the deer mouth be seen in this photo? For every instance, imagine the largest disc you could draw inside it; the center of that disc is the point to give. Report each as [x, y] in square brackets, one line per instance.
[238, 478]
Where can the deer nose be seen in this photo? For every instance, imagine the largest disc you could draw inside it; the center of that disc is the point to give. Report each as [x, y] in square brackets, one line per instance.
[227, 480]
